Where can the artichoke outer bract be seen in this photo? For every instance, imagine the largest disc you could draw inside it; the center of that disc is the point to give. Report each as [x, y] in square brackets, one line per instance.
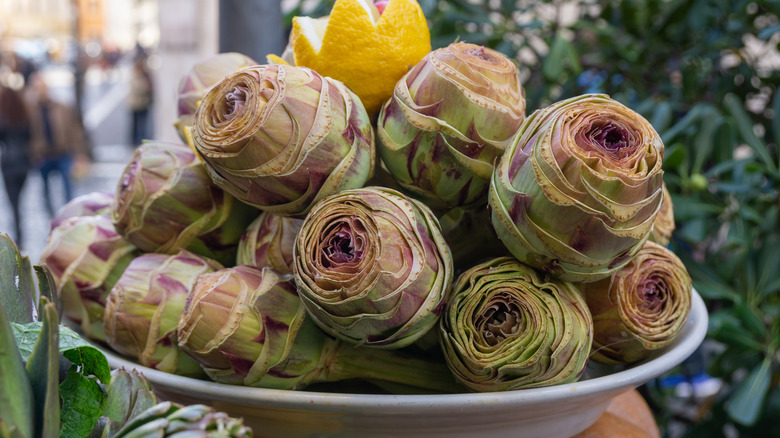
[507, 326]
[269, 241]
[280, 138]
[247, 326]
[373, 267]
[664, 226]
[448, 119]
[143, 309]
[165, 201]
[91, 204]
[199, 80]
[86, 256]
[578, 191]
[641, 308]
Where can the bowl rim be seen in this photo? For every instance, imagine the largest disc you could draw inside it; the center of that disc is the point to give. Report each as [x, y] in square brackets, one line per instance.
[684, 345]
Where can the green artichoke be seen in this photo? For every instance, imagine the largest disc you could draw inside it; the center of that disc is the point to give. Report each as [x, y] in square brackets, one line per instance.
[199, 80]
[247, 326]
[269, 241]
[280, 137]
[91, 204]
[172, 420]
[508, 327]
[664, 226]
[165, 201]
[128, 394]
[86, 257]
[641, 308]
[449, 118]
[372, 267]
[578, 191]
[143, 309]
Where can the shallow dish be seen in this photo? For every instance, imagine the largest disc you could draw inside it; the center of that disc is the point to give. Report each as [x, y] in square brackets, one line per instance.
[555, 411]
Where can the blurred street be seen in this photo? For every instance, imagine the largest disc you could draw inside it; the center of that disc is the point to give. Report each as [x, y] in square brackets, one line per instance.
[107, 121]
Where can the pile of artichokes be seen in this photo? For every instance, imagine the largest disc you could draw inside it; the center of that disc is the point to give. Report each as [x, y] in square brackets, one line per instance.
[451, 244]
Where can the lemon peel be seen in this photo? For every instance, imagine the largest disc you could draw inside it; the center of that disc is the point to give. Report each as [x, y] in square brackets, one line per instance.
[366, 51]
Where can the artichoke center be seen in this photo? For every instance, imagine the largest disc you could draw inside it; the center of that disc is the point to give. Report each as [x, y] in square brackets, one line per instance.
[611, 138]
[499, 322]
[653, 294]
[235, 100]
[481, 54]
[342, 247]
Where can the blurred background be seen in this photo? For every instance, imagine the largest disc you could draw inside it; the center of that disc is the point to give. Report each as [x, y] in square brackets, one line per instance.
[704, 72]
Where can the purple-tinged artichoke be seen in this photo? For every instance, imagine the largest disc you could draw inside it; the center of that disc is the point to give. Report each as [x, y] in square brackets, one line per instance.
[507, 326]
[641, 308]
[449, 118]
[143, 309]
[269, 241]
[198, 81]
[247, 326]
[91, 204]
[372, 267]
[280, 138]
[165, 201]
[86, 256]
[664, 226]
[577, 193]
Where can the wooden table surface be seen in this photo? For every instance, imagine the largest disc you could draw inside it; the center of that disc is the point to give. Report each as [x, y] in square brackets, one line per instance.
[627, 416]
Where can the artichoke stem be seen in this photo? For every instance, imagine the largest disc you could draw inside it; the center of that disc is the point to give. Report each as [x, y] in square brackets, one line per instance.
[392, 366]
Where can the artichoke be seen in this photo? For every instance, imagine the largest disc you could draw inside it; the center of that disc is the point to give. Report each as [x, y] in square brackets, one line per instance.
[86, 257]
[508, 326]
[372, 267]
[198, 81]
[143, 309]
[448, 119]
[641, 308]
[169, 419]
[471, 237]
[127, 395]
[91, 204]
[664, 226]
[165, 201]
[578, 191]
[247, 326]
[280, 138]
[269, 241]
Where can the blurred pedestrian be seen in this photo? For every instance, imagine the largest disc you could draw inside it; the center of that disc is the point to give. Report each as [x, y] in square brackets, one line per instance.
[14, 150]
[141, 96]
[58, 139]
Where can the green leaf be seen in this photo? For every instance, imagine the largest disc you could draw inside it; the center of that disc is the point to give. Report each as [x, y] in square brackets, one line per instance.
[704, 139]
[552, 66]
[751, 320]
[745, 125]
[43, 371]
[745, 405]
[82, 403]
[16, 396]
[674, 156]
[47, 287]
[15, 282]
[72, 346]
[662, 116]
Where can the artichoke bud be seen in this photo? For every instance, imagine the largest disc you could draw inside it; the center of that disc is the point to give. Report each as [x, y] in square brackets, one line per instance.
[166, 201]
[143, 309]
[664, 226]
[448, 119]
[199, 80]
[280, 138]
[577, 192]
[91, 204]
[641, 308]
[86, 256]
[372, 267]
[269, 241]
[128, 394]
[507, 326]
[247, 326]
[169, 419]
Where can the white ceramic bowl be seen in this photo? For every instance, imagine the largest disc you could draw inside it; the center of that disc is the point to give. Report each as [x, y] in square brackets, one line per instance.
[555, 411]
